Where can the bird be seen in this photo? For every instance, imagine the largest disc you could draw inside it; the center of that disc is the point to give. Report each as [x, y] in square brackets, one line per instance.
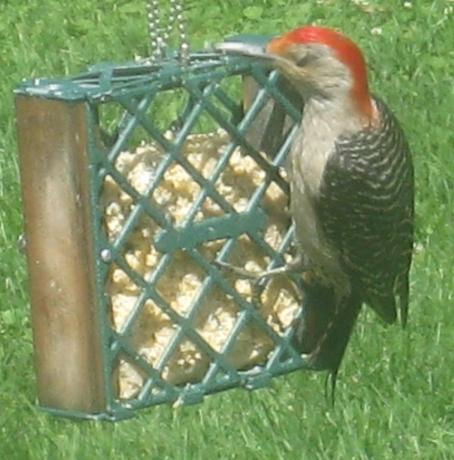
[351, 181]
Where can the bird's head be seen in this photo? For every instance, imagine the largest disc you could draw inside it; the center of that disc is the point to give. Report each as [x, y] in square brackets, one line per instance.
[321, 63]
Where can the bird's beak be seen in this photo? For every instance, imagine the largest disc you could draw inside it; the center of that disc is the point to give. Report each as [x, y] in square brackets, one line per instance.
[243, 49]
[259, 47]
[272, 50]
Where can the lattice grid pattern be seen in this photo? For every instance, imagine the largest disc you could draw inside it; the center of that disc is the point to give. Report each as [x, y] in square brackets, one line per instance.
[179, 179]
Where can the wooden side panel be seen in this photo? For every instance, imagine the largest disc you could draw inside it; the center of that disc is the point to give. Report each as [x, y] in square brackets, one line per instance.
[55, 190]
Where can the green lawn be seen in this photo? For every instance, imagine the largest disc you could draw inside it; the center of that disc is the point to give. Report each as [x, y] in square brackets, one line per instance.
[395, 395]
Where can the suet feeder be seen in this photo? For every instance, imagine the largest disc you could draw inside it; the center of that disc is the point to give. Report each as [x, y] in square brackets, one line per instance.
[136, 179]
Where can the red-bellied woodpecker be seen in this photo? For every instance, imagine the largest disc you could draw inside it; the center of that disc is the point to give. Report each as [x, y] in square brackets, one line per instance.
[352, 191]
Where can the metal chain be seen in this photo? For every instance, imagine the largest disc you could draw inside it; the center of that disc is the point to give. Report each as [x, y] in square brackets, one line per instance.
[154, 29]
[160, 36]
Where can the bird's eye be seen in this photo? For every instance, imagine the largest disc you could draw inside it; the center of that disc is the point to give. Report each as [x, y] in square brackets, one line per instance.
[304, 60]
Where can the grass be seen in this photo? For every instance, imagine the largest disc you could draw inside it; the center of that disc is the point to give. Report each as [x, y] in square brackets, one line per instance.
[395, 394]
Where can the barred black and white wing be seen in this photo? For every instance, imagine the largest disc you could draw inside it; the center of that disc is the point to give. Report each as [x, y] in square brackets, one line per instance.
[366, 210]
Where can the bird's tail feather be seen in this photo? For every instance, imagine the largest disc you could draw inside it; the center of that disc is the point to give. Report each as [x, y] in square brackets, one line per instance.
[326, 327]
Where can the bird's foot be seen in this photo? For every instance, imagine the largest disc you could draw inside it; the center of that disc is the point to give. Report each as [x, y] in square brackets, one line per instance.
[235, 270]
[297, 265]
[258, 280]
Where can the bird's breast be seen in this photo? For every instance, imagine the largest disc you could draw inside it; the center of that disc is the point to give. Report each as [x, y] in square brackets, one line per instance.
[308, 161]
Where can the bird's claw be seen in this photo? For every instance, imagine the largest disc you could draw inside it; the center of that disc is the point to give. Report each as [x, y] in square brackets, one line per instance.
[254, 277]
[258, 279]
[240, 272]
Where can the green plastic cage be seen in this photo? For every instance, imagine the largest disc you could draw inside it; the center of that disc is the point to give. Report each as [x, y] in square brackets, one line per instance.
[136, 179]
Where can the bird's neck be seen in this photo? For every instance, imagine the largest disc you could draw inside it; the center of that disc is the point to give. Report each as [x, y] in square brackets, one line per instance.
[333, 117]
[324, 121]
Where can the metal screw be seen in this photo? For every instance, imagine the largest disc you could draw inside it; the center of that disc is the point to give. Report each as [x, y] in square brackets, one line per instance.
[106, 255]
